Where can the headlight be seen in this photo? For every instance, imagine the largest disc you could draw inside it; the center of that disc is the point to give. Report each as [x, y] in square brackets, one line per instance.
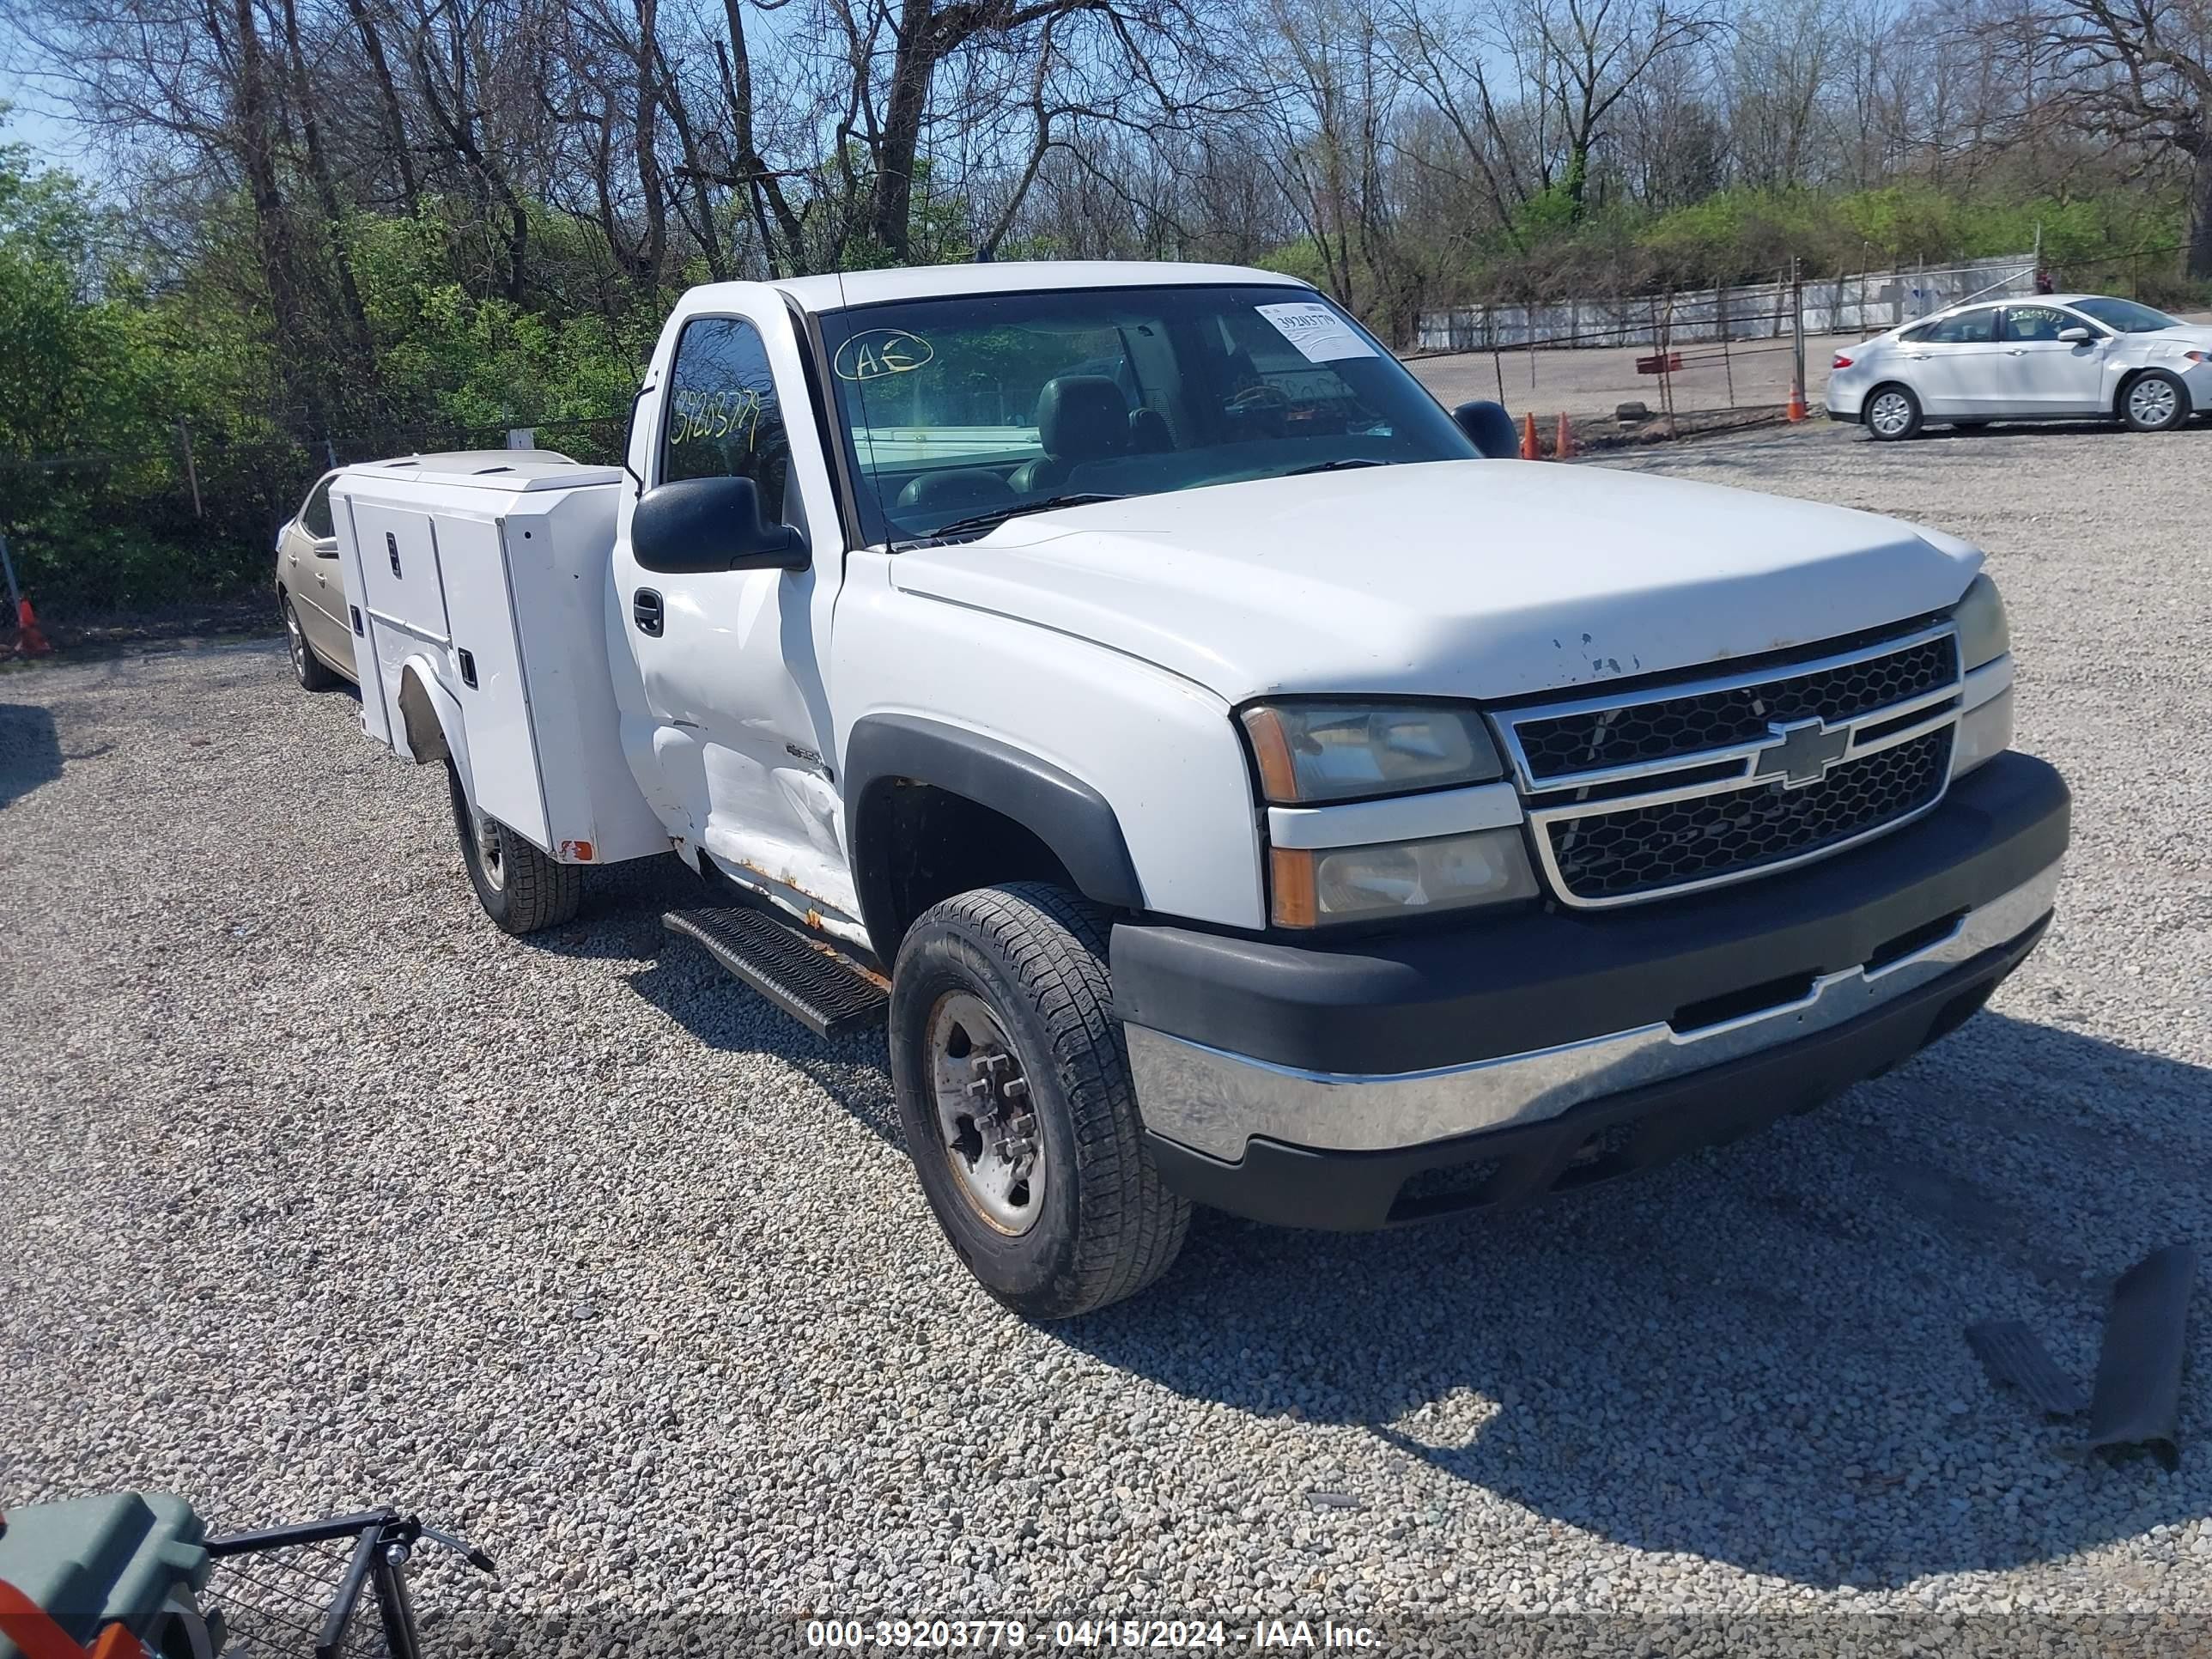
[1311, 888]
[1985, 635]
[1312, 753]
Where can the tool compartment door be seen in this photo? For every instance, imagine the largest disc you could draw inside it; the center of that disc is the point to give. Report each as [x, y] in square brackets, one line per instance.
[392, 576]
[496, 709]
[368, 667]
[398, 549]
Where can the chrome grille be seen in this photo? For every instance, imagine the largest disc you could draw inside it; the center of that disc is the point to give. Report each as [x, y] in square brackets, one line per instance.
[1610, 856]
[1675, 787]
[1628, 735]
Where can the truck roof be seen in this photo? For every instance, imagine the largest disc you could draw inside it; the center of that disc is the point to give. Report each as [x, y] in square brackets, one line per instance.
[867, 287]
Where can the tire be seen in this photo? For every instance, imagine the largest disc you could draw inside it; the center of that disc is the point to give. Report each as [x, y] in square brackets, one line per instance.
[520, 889]
[2155, 401]
[1081, 1219]
[307, 668]
[1885, 427]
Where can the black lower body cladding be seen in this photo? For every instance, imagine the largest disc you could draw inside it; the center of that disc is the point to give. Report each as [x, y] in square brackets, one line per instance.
[1386, 1006]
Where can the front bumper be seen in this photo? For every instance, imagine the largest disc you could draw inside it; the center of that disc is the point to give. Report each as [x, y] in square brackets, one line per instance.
[1311, 1085]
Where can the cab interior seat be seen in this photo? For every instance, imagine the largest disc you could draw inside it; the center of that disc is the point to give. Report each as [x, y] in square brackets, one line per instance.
[957, 489]
[1149, 433]
[1080, 418]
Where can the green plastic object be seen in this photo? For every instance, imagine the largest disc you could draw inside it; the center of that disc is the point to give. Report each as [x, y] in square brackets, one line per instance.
[132, 1558]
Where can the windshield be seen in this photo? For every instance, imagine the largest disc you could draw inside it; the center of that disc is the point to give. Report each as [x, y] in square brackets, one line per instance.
[2125, 316]
[959, 411]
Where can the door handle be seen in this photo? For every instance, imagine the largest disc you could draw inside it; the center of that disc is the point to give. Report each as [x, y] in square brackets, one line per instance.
[2020, 351]
[645, 610]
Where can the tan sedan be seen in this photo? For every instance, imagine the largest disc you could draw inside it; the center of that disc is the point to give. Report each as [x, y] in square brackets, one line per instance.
[311, 594]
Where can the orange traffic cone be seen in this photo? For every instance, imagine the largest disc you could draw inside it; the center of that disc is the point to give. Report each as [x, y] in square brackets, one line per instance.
[1797, 411]
[1529, 451]
[1563, 446]
[30, 639]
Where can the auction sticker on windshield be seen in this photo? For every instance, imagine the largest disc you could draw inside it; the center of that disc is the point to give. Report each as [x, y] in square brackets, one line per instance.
[1315, 331]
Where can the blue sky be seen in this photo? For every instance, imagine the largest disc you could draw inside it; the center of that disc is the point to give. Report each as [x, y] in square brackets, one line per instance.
[30, 120]
[54, 140]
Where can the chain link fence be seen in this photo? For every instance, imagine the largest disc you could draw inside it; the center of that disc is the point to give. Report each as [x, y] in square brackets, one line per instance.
[1867, 303]
[1677, 360]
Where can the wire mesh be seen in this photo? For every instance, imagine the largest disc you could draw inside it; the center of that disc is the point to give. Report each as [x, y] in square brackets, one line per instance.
[274, 1603]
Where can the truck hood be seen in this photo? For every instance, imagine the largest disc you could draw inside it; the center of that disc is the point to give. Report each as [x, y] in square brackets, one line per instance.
[1467, 579]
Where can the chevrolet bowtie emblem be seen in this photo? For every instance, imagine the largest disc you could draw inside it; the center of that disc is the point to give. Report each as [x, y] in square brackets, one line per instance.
[1801, 754]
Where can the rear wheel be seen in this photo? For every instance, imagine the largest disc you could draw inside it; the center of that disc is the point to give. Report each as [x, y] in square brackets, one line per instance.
[1013, 1088]
[306, 667]
[1891, 413]
[520, 888]
[2155, 401]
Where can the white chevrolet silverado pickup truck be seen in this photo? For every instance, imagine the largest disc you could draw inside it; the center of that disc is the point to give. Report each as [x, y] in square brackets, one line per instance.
[1232, 781]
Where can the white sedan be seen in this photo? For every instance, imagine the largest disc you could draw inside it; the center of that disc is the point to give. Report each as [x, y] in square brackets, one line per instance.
[2055, 358]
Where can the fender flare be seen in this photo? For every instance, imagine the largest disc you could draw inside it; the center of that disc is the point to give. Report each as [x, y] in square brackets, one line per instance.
[1068, 814]
[430, 727]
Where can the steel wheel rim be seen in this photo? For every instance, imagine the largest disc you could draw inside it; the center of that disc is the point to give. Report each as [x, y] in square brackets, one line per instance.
[490, 853]
[1890, 414]
[294, 641]
[986, 1126]
[2151, 401]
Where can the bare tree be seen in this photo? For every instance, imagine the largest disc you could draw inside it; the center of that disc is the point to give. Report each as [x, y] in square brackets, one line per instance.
[1778, 76]
[393, 119]
[1155, 48]
[1446, 59]
[475, 63]
[1591, 53]
[2140, 71]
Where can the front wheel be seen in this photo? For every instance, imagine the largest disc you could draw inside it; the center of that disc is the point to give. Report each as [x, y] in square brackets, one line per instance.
[1891, 413]
[1013, 1086]
[520, 887]
[2155, 401]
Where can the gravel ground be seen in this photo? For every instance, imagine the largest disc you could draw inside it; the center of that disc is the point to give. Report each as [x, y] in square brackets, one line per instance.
[317, 1191]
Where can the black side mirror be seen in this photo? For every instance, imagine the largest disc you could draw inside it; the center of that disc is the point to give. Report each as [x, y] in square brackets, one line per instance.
[1490, 427]
[711, 524]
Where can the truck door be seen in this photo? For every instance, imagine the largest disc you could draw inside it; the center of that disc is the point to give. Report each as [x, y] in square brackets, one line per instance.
[727, 722]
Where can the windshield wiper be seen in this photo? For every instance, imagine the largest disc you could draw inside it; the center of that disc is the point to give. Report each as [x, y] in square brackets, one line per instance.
[998, 515]
[1335, 467]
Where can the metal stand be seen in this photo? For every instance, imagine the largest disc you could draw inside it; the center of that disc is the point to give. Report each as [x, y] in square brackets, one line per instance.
[298, 1590]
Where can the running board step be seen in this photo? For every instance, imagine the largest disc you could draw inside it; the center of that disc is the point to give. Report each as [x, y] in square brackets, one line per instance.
[826, 994]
